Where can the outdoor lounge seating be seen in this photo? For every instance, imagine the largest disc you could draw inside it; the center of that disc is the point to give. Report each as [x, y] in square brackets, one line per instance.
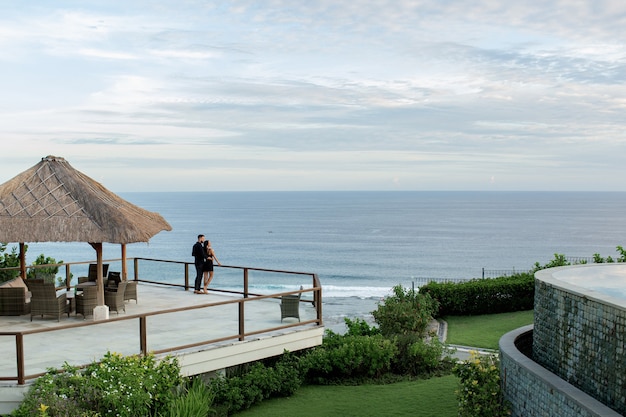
[14, 301]
[115, 298]
[131, 291]
[45, 301]
[14, 298]
[93, 273]
[113, 280]
[87, 300]
[290, 307]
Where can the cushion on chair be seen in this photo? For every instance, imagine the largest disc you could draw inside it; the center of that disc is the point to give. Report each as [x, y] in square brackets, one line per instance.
[17, 283]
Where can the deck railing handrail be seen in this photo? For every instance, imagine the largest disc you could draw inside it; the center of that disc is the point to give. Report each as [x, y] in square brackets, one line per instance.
[240, 334]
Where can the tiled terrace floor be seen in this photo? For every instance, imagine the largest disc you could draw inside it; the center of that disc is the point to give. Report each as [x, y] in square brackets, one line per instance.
[81, 345]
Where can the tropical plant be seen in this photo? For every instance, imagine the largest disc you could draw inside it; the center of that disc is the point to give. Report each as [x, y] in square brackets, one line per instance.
[418, 356]
[125, 386]
[256, 382]
[45, 271]
[348, 357]
[9, 260]
[406, 311]
[359, 327]
[195, 399]
[479, 393]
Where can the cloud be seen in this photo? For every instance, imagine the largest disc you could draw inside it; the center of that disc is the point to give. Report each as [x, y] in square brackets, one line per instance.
[324, 94]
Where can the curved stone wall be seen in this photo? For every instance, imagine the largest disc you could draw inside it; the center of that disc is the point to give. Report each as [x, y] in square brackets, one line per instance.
[578, 337]
[533, 391]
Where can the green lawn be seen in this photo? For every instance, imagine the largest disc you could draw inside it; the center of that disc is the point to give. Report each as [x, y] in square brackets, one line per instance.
[484, 331]
[425, 398]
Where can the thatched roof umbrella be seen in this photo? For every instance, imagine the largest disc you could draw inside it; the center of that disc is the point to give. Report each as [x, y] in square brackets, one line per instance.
[53, 202]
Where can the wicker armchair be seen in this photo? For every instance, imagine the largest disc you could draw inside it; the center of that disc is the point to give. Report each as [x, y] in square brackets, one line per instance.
[93, 273]
[113, 280]
[14, 302]
[131, 291]
[115, 299]
[45, 301]
[87, 300]
[290, 306]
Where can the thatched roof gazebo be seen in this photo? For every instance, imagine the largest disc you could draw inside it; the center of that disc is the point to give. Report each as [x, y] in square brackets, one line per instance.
[53, 202]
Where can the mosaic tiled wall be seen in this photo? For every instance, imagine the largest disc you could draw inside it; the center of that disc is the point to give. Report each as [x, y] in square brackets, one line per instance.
[581, 339]
[534, 391]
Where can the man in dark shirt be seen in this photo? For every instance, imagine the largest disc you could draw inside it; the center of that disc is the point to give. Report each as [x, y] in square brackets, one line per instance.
[199, 257]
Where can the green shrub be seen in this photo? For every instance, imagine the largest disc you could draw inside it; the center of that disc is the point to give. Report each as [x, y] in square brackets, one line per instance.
[194, 400]
[116, 386]
[496, 295]
[56, 394]
[479, 393]
[406, 311]
[348, 357]
[558, 260]
[359, 327]
[483, 296]
[46, 272]
[9, 260]
[258, 382]
[419, 356]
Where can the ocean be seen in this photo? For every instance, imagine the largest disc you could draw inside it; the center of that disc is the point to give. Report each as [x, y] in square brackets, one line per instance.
[361, 244]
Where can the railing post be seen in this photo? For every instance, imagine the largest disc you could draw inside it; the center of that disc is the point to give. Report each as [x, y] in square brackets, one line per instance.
[68, 276]
[245, 283]
[143, 335]
[186, 276]
[241, 320]
[317, 297]
[136, 267]
[19, 350]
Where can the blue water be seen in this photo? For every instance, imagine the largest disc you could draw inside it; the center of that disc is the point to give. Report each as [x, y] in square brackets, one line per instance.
[363, 243]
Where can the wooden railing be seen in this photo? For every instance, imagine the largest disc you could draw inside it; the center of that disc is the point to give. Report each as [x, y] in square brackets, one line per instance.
[142, 329]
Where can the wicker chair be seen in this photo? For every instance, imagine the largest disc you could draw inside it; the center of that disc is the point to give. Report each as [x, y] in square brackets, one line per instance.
[113, 280]
[115, 299]
[93, 273]
[87, 300]
[290, 306]
[131, 291]
[45, 301]
[13, 302]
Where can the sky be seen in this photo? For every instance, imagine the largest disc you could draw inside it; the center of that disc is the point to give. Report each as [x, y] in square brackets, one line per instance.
[187, 95]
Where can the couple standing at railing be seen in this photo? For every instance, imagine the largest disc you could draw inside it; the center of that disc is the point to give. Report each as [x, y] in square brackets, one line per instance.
[204, 255]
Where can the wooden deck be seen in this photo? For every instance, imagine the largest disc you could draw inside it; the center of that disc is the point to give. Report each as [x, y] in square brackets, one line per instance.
[205, 332]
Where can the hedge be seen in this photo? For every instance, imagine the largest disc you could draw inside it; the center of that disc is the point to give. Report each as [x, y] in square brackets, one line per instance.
[483, 296]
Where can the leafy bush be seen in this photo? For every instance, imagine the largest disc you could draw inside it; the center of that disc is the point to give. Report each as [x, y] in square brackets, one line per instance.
[479, 393]
[9, 260]
[483, 296]
[46, 271]
[359, 327]
[559, 260]
[116, 386]
[194, 400]
[259, 382]
[496, 295]
[417, 355]
[406, 311]
[348, 357]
